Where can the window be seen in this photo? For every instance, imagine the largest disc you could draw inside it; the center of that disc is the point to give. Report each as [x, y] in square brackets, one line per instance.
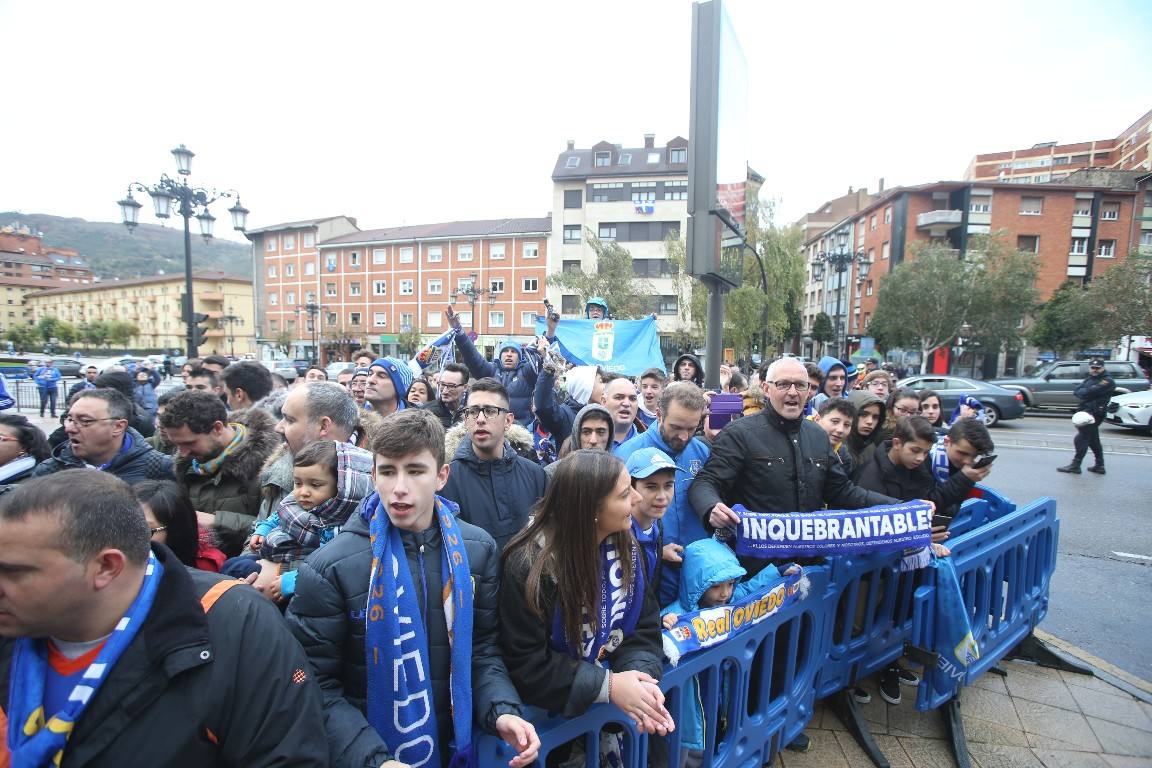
[309, 267]
[330, 262]
[888, 215]
[379, 287]
[607, 232]
[625, 159]
[1063, 160]
[1079, 246]
[675, 190]
[272, 270]
[1082, 208]
[869, 291]
[405, 287]
[572, 234]
[885, 251]
[406, 255]
[571, 266]
[573, 198]
[496, 251]
[434, 321]
[667, 305]
[1028, 243]
[531, 285]
[310, 297]
[496, 285]
[570, 305]
[463, 284]
[603, 159]
[308, 240]
[1146, 238]
[354, 288]
[1107, 249]
[465, 318]
[436, 286]
[269, 243]
[273, 325]
[572, 162]
[289, 242]
[379, 256]
[273, 299]
[531, 249]
[354, 259]
[290, 297]
[289, 270]
[405, 321]
[380, 319]
[1031, 206]
[353, 318]
[527, 319]
[653, 158]
[1110, 212]
[435, 253]
[496, 319]
[872, 223]
[329, 289]
[331, 318]
[1070, 371]
[464, 253]
[980, 204]
[678, 155]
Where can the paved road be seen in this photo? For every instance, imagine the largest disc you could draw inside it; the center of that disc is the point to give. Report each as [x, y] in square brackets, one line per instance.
[1101, 595]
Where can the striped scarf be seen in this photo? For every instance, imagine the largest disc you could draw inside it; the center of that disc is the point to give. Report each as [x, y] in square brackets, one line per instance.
[212, 466]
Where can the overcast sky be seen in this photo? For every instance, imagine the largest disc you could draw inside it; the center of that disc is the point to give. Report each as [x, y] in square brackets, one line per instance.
[418, 112]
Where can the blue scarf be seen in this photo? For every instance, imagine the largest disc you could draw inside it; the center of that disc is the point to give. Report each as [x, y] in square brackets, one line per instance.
[36, 741]
[939, 456]
[125, 446]
[400, 705]
[618, 610]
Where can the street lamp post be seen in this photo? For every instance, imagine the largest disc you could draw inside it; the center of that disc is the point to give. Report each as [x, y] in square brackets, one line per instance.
[313, 311]
[472, 294]
[840, 261]
[188, 199]
[231, 320]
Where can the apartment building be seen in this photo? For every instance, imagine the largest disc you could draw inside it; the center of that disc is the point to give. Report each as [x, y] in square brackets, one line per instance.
[1051, 161]
[635, 196]
[1077, 229]
[364, 288]
[154, 306]
[27, 266]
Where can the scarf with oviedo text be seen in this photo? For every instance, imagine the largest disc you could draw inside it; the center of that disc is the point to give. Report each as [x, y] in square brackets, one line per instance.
[37, 739]
[617, 612]
[400, 705]
[939, 458]
[212, 466]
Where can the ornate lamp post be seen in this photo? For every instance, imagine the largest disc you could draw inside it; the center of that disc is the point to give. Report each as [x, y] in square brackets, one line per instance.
[313, 311]
[232, 320]
[472, 294]
[188, 199]
[839, 262]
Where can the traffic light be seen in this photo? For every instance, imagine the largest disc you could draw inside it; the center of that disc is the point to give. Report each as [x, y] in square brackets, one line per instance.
[198, 331]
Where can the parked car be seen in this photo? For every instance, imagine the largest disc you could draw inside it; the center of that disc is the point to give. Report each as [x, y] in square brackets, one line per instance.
[14, 368]
[333, 370]
[301, 365]
[1054, 385]
[999, 403]
[69, 366]
[1133, 410]
[287, 369]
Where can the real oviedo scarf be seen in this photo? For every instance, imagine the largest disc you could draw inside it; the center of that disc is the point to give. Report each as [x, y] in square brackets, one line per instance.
[37, 738]
[400, 705]
[617, 610]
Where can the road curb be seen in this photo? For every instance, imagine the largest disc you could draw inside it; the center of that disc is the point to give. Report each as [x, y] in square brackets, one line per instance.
[1106, 671]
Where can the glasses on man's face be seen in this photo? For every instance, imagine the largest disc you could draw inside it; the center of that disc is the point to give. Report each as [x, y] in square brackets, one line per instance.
[83, 422]
[158, 529]
[490, 412]
[784, 386]
[449, 385]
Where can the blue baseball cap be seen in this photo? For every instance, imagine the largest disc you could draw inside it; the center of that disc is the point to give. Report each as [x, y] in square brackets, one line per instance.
[648, 461]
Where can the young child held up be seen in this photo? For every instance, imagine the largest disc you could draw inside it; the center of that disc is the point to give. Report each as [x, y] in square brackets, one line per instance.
[654, 478]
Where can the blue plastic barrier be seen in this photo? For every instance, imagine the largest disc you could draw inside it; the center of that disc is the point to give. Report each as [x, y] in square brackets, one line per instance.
[976, 512]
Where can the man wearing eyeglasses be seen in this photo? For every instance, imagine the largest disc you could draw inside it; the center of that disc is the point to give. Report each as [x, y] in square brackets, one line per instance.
[98, 437]
[494, 486]
[450, 393]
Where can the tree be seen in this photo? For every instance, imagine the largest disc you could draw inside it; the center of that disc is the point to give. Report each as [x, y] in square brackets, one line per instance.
[614, 281]
[66, 332]
[1065, 322]
[22, 336]
[120, 332]
[1122, 298]
[1003, 292]
[822, 330]
[94, 333]
[46, 328]
[284, 342]
[409, 341]
[691, 296]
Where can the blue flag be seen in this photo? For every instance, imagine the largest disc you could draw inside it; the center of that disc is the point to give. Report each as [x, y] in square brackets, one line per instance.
[629, 347]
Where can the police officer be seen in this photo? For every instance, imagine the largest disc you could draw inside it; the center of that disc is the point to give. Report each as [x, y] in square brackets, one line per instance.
[1093, 393]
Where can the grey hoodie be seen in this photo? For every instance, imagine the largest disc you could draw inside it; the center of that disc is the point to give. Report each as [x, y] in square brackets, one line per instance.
[577, 423]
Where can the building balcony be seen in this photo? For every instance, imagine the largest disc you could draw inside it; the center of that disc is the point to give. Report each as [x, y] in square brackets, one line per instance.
[939, 221]
[210, 296]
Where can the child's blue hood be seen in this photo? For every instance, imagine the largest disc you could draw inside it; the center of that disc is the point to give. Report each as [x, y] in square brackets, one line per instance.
[707, 562]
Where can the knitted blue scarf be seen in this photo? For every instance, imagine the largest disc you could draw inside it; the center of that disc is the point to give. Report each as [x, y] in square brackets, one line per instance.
[400, 705]
[36, 739]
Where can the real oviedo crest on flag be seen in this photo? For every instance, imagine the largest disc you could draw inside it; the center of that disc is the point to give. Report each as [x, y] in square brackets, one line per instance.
[603, 340]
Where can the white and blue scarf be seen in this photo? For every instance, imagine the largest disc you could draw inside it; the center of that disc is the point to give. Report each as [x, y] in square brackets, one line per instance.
[400, 704]
[36, 739]
[940, 467]
[618, 609]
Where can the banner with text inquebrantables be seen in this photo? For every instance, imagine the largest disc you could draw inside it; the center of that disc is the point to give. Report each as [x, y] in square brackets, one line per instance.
[830, 532]
[628, 347]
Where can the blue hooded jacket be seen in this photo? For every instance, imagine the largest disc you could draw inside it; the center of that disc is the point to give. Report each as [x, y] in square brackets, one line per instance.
[520, 380]
[827, 363]
[707, 563]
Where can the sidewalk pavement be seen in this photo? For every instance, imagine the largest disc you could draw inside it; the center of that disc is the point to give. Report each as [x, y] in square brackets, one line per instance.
[1034, 717]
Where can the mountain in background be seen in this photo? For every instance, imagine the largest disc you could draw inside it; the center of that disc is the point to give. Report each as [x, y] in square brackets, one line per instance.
[113, 251]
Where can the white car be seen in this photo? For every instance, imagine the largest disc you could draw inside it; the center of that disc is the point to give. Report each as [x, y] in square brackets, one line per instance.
[1131, 410]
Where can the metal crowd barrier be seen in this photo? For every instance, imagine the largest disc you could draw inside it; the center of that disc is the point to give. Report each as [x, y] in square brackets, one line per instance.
[861, 614]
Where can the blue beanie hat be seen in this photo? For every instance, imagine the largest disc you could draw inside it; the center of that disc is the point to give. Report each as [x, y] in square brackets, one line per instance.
[400, 374]
[508, 344]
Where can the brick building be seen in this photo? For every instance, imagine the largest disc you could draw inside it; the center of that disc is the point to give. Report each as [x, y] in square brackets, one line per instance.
[364, 288]
[1049, 161]
[27, 265]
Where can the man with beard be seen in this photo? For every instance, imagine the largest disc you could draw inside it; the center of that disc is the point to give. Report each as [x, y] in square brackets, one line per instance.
[678, 412]
[621, 399]
[387, 388]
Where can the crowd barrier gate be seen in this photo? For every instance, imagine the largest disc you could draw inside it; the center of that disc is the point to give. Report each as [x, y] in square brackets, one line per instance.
[860, 615]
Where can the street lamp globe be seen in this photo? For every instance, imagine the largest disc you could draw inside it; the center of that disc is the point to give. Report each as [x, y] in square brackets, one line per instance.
[239, 216]
[206, 220]
[130, 211]
[162, 200]
[183, 157]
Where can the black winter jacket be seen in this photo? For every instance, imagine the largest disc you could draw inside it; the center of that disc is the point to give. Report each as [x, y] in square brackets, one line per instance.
[519, 381]
[447, 417]
[141, 462]
[496, 495]
[328, 617]
[882, 476]
[1094, 393]
[552, 679]
[226, 688]
[556, 417]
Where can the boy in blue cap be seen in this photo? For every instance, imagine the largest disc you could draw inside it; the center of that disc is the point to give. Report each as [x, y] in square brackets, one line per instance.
[654, 478]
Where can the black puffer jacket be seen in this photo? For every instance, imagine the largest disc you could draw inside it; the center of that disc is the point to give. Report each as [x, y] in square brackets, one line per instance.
[328, 617]
[1094, 393]
[235, 673]
[861, 448]
[883, 476]
[769, 464]
[140, 462]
